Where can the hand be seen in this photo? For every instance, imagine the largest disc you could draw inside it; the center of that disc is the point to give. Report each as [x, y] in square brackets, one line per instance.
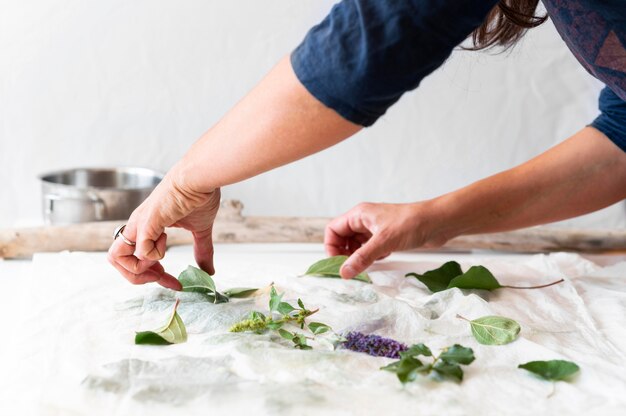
[171, 204]
[370, 232]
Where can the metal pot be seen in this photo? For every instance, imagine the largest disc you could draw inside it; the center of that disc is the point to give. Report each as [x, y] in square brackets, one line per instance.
[95, 194]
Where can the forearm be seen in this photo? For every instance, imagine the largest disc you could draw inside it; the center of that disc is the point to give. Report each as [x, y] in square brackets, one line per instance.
[585, 173]
[278, 122]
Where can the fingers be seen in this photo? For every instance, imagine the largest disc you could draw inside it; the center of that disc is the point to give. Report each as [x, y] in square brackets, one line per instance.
[150, 241]
[364, 257]
[203, 250]
[140, 270]
[153, 273]
[168, 281]
[345, 234]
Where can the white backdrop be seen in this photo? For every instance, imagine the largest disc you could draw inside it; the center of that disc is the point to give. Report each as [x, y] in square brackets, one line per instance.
[115, 83]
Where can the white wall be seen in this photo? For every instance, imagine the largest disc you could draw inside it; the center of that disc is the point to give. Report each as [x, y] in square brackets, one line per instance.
[98, 83]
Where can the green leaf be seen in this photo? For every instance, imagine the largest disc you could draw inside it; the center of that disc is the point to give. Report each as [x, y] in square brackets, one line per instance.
[286, 334]
[150, 338]
[240, 292]
[417, 349]
[438, 279]
[445, 369]
[407, 369]
[284, 308]
[477, 277]
[318, 328]
[275, 325]
[173, 332]
[554, 370]
[445, 366]
[196, 280]
[330, 268]
[300, 304]
[457, 354]
[495, 330]
[275, 299]
[300, 341]
[256, 315]
[216, 297]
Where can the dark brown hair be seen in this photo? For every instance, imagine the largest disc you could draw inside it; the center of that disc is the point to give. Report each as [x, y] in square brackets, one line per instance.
[506, 23]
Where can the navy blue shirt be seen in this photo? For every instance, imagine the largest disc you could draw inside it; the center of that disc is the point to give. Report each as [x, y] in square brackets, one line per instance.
[366, 53]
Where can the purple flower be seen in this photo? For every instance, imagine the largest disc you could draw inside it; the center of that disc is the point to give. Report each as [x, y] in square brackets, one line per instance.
[373, 345]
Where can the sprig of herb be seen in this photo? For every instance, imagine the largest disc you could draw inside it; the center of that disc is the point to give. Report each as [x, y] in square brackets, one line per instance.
[447, 365]
[280, 314]
[197, 280]
[493, 330]
[330, 268]
[450, 275]
[298, 340]
[173, 332]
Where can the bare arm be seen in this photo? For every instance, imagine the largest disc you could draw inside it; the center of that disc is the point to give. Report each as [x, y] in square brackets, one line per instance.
[585, 173]
[278, 122]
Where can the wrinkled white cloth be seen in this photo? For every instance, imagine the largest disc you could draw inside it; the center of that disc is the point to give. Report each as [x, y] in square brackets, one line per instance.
[70, 347]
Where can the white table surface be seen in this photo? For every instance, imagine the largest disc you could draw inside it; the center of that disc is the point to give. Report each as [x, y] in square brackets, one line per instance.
[70, 321]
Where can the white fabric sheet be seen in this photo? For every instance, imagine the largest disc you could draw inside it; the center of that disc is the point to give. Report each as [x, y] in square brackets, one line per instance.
[72, 320]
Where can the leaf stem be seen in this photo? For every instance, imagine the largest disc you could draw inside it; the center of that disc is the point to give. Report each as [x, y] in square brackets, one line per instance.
[462, 317]
[553, 390]
[535, 287]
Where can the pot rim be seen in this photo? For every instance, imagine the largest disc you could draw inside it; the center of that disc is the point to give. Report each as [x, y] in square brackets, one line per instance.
[45, 178]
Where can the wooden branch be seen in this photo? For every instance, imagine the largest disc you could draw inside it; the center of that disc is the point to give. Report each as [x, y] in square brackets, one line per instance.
[232, 227]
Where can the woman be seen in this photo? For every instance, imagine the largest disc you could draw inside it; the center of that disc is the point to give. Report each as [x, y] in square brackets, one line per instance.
[346, 73]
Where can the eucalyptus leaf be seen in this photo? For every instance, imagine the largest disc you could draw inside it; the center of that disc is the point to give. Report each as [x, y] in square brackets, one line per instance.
[240, 292]
[438, 279]
[477, 277]
[318, 328]
[494, 330]
[196, 280]
[173, 332]
[216, 297]
[554, 370]
[330, 267]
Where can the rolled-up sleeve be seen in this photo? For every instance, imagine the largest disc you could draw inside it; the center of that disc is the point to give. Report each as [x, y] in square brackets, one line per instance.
[612, 118]
[366, 53]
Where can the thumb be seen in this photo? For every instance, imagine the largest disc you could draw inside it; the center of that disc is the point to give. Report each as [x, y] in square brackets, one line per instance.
[203, 250]
[362, 258]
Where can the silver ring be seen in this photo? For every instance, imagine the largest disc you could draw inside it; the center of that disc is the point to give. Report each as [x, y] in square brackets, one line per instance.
[118, 233]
